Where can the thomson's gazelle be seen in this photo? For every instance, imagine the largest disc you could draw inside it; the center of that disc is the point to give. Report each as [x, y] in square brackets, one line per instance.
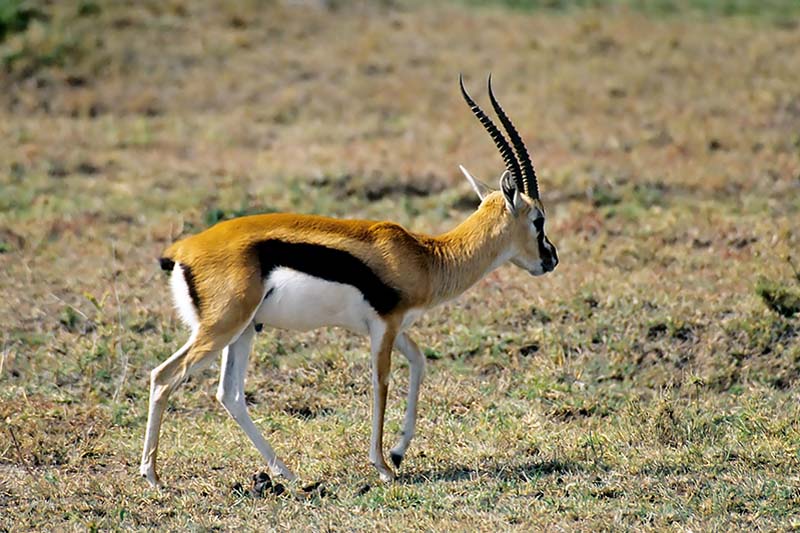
[375, 278]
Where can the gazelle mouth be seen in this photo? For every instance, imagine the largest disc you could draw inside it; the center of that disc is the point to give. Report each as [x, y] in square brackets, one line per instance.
[542, 269]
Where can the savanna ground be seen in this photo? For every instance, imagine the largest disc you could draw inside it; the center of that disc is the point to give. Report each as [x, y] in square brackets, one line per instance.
[644, 385]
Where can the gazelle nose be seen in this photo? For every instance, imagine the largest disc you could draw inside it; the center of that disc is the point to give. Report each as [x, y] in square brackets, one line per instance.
[553, 259]
[550, 265]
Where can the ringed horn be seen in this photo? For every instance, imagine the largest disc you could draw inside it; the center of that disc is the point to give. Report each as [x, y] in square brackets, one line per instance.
[520, 167]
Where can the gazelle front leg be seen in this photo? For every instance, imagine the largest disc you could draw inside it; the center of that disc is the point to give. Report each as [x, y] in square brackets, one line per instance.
[416, 363]
[382, 337]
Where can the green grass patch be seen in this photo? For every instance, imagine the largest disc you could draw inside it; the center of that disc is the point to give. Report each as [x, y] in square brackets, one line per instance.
[746, 8]
[779, 297]
[16, 16]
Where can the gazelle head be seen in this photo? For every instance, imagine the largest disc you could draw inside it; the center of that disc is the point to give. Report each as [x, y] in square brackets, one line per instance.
[530, 248]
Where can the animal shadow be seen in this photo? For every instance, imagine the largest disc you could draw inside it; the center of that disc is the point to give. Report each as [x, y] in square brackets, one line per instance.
[500, 471]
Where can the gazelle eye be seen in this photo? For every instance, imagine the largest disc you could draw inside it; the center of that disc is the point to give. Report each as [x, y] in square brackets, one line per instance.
[538, 223]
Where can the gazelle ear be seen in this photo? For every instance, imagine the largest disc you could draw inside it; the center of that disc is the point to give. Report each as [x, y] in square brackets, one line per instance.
[481, 189]
[510, 193]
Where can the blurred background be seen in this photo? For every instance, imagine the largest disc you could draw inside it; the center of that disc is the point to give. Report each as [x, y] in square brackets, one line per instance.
[661, 357]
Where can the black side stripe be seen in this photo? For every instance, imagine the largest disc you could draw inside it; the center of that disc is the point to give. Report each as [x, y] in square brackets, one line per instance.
[329, 264]
[190, 282]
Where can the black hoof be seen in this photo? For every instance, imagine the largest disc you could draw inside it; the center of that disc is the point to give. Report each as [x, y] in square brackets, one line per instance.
[396, 459]
[259, 327]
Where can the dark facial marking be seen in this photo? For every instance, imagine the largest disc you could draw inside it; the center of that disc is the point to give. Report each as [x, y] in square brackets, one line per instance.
[190, 282]
[544, 253]
[329, 264]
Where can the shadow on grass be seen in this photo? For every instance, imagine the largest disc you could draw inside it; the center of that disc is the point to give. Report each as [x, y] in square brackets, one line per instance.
[499, 471]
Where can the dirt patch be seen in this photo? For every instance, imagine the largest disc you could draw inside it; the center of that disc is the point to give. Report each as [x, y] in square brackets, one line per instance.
[567, 412]
[10, 241]
[378, 186]
[656, 331]
[306, 412]
[466, 202]
[779, 297]
[263, 486]
[46, 433]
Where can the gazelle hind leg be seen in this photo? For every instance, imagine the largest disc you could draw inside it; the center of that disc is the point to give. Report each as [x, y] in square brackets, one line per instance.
[155, 410]
[382, 338]
[416, 363]
[164, 379]
[230, 393]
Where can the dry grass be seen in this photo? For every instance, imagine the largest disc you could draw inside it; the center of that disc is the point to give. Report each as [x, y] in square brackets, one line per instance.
[644, 385]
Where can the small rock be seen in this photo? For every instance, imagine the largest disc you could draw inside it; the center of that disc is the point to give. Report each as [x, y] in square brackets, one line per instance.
[529, 349]
[87, 168]
[76, 81]
[315, 489]
[313, 486]
[57, 170]
[261, 483]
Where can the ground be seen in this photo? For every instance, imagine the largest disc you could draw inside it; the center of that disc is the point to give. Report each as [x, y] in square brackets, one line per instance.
[649, 383]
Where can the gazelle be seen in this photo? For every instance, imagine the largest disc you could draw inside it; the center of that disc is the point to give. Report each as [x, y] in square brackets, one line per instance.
[375, 278]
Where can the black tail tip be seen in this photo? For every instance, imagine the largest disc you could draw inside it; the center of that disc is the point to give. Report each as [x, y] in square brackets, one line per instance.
[166, 263]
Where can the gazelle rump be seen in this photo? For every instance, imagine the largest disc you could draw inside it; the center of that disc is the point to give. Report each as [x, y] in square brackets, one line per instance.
[372, 277]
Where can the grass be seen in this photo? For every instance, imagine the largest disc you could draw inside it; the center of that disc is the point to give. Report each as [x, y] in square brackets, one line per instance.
[775, 9]
[644, 385]
[15, 17]
[782, 299]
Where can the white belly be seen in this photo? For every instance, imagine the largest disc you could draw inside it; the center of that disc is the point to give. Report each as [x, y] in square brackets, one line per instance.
[301, 302]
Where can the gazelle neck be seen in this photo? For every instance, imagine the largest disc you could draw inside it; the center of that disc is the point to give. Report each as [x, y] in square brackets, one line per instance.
[468, 252]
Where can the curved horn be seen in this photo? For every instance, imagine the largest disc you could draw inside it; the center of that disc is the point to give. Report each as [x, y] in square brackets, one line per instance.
[497, 136]
[530, 183]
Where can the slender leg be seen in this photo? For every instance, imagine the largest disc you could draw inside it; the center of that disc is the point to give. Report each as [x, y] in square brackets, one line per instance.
[164, 379]
[155, 411]
[382, 340]
[231, 394]
[416, 362]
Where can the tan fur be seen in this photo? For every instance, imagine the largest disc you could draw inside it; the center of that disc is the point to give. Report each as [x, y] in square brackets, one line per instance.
[424, 269]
